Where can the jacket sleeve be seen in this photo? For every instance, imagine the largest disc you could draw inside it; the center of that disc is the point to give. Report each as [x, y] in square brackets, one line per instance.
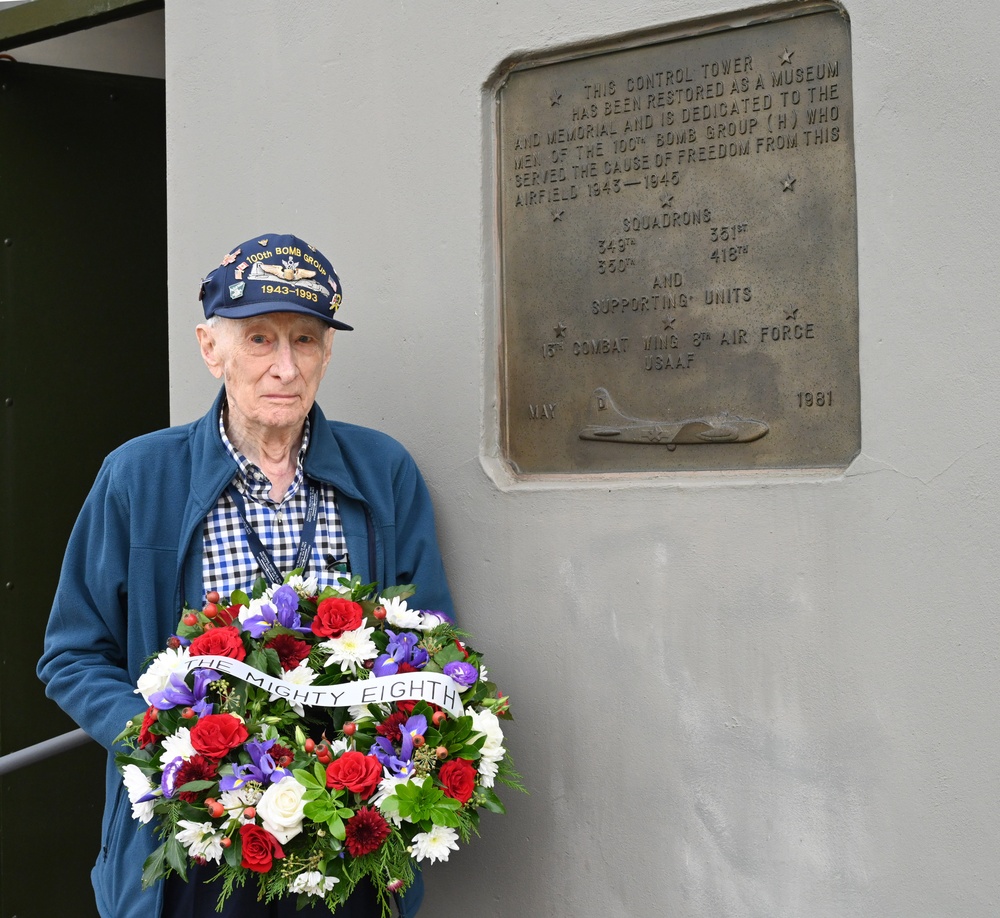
[418, 558]
[85, 659]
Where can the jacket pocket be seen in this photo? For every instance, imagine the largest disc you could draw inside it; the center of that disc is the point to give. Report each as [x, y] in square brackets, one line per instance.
[113, 827]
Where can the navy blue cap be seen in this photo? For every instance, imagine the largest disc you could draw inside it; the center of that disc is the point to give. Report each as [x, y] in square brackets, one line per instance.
[274, 273]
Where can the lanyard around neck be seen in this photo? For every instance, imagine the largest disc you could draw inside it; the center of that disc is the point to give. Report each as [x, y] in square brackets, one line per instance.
[263, 556]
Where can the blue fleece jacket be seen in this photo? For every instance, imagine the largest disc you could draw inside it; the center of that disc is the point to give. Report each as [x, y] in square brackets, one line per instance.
[135, 556]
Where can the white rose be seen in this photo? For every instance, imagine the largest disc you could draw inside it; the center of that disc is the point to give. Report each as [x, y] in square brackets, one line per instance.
[487, 723]
[280, 809]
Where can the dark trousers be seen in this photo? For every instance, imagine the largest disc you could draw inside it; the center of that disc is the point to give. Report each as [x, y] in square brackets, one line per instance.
[197, 899]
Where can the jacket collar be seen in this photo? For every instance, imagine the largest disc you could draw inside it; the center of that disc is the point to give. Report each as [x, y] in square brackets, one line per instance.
[213, 467]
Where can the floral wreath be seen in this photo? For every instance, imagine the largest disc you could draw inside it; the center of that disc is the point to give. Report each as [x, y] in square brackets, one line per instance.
[311, 739]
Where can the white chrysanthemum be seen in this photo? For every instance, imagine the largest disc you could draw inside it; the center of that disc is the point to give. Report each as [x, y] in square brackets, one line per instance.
[301, 675]
[435, 845]
[312, 883]
[488, 771]
[157, 676]
[305, 587]
[237, 800]
[339, 746]
[397, 615]
[138, 785]
[351, 649]
[178, 745]
[200, 839]
[360, 712]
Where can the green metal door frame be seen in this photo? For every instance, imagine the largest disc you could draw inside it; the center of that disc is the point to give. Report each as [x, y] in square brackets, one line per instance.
[42, 19]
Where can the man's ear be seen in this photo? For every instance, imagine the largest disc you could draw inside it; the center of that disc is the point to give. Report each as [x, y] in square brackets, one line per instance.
[211, 352]
[330, 332]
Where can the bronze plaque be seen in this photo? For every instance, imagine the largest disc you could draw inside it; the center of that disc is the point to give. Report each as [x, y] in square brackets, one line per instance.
[678, 251]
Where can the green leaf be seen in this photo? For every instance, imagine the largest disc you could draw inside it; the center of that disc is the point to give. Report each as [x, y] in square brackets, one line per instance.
[177, 856]
[336, 826]
[155, 867]
[491, 801]
[306, 779]
[234, 853]
[196, 785]
[239, 598]
[319, 810]
[402, 590]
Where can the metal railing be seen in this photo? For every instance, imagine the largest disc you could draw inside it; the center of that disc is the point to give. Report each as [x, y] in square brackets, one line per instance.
[43, 750]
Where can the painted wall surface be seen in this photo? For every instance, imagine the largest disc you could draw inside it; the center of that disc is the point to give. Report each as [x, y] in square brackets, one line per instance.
[757, 696]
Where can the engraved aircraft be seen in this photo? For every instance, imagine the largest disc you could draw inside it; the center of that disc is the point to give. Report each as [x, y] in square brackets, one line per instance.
[612, 425]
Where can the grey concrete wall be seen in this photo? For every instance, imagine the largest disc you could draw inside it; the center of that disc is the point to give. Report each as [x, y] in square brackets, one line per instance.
[744, 695]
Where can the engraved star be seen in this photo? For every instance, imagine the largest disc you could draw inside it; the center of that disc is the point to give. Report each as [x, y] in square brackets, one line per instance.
[666, 200]
[669, 323]
[786, 57]
[654, 435]
[787, 183]
[560, 330]
[794, 314]
[557, 216]
[555, 98]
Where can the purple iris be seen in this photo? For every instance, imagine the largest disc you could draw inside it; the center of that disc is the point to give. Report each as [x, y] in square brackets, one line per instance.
[263, 769]
[400, 764]
[286, 599]
[402, 648]
[261, 755]
[281, 610]
[416, 725]
[384, 751]
[465, 674]
[177, 693]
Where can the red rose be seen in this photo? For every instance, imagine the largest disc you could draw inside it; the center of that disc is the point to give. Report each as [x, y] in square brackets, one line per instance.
[260, 847]
[219, 642]
[356, 772]
[335, 616]
[215, 734]
[459, 779]
[145, 735]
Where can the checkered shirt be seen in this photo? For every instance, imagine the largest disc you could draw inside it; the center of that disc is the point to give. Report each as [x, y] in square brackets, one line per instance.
[228, 561]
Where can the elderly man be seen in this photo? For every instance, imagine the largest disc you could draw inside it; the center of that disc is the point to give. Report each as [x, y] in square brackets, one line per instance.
[214, 504]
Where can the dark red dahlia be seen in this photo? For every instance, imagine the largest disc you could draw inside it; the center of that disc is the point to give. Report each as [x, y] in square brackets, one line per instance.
[197, 768]
[291, 651]
[391, 727]
[282, 755]
[366, 830]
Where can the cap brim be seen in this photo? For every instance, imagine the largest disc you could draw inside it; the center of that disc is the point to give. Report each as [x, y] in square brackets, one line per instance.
[247, 310]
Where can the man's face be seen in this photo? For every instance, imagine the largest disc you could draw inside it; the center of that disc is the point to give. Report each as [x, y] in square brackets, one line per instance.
[271, 366]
